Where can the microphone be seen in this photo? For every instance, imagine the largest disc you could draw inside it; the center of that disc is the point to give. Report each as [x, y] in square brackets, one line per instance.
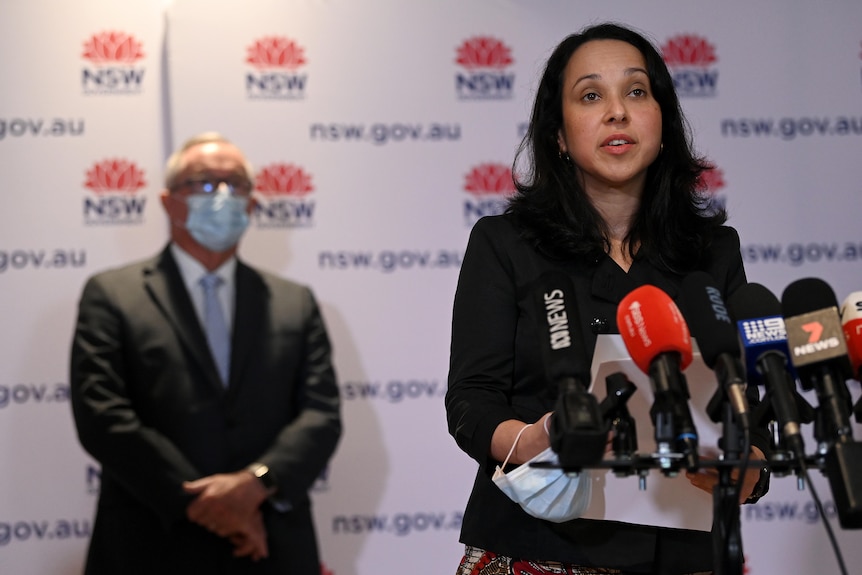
[616, 412]
[764, 340]
[716, 335]
[851, 322]
[578, 433]
[658, 340]
[819, 352]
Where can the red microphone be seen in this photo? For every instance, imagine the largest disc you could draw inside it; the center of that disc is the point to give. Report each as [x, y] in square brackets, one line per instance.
[658, 340]
[650, 324]
[851, 322]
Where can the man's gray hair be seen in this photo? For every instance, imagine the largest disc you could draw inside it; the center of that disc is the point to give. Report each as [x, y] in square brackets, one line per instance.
[174, 165]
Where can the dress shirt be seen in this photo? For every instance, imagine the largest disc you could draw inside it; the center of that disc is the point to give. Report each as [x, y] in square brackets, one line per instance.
[192, 272]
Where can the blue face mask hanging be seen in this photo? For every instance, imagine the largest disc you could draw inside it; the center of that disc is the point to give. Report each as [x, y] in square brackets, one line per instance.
[549, 494]
[217, 221]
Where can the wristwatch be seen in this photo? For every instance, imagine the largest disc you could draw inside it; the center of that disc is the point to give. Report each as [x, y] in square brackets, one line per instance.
[265, 475]
[762, 485]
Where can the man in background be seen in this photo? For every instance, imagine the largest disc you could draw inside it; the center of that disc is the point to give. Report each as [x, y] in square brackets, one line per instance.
[205, 390]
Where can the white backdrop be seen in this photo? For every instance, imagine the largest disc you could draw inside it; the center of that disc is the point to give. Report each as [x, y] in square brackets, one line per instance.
[381, 128]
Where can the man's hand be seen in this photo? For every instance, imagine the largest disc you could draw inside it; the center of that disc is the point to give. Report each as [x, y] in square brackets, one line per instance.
[226, 503]
[252, 540]
[707, 479]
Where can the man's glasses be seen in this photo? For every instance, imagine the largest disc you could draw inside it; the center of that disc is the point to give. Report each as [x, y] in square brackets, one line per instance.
[236, 185]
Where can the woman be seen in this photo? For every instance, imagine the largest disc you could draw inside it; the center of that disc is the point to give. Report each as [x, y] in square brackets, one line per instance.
[610, 197]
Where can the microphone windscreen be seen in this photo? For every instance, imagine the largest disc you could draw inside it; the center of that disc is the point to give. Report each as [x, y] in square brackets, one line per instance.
[708, 318]
[752, 301]
[852, 307]
[559, 328]
[814, 331]
[650, 324]
[807, 295]
[851, 322]
[761, 327]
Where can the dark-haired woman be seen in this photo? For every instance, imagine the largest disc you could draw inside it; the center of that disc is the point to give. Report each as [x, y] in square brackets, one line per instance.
[610, 197]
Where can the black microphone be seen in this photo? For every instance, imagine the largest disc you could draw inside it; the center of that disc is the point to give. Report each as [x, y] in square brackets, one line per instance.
[578, 433]
[710, 324]
[764, 341]
[819, 351]
[615, 410]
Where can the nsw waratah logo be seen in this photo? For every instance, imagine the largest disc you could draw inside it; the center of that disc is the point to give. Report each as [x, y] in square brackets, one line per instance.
[488, 187]
[275, 62]
[283, 197]
[692, 60]
[710, 182]
[93, 480]
[112, 64]
[114, 196]
[485, 73]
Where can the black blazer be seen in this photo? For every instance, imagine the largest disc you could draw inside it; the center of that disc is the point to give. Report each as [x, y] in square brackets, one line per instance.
[150, 408]
[497, 373]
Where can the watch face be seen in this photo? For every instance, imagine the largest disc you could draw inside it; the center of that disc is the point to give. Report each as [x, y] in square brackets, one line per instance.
[263, 473]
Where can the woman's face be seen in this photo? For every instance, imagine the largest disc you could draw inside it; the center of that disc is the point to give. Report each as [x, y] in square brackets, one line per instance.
[611, 122]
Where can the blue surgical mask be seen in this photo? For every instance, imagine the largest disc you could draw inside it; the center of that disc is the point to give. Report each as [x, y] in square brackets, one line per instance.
[546, 493]
[218, 220]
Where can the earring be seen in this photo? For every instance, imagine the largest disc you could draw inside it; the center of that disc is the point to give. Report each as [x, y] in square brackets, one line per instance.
[564, 156]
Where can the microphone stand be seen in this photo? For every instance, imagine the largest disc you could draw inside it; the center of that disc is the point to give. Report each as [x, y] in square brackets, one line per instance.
[727, 536]
[727, 552]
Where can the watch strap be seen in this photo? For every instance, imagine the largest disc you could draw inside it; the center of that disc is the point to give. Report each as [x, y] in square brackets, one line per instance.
[265, 475]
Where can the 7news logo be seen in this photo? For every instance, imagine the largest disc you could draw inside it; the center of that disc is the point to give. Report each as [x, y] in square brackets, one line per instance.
[112, 57]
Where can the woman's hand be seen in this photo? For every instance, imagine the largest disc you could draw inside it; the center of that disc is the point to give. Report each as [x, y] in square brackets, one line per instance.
[534, 440]
[707, 479]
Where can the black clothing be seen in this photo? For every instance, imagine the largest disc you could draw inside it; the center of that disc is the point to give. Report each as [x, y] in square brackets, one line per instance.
[150, 406]
[497, 373]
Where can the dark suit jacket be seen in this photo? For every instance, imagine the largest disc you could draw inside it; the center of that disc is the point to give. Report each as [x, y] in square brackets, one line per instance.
[497, 373]
[149, 406]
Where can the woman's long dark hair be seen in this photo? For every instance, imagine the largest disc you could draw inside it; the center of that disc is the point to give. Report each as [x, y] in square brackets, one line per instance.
[675, 222]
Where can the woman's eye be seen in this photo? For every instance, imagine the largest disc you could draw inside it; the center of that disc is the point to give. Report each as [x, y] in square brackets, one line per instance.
[591, 97]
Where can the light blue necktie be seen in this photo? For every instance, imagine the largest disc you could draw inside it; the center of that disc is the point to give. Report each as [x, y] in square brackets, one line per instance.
[216, 326]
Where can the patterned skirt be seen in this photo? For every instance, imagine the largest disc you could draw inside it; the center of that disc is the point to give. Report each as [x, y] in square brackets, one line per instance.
[479, 562]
